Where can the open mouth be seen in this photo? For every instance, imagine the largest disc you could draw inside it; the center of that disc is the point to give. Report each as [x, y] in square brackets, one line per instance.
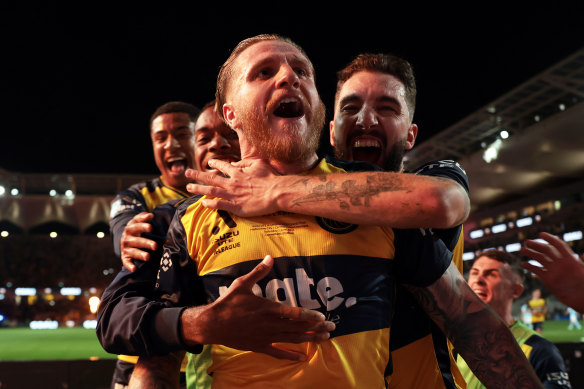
[289, 108]
[367, 150]
[177, 165]
[482, 295]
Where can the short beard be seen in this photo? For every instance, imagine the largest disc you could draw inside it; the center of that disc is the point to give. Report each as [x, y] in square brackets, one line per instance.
[289, 148]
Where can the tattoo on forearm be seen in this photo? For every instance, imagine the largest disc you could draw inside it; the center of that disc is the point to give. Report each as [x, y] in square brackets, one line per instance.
[349, 192]
[478, 335]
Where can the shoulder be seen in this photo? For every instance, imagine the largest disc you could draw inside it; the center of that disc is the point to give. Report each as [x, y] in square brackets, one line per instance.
[444, 168]
[352, 166]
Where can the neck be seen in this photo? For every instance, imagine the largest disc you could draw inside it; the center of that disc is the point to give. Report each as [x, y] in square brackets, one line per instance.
[505, 313]
[284, 168]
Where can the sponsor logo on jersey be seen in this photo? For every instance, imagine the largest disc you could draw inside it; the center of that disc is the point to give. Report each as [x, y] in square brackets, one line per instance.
[334, 226]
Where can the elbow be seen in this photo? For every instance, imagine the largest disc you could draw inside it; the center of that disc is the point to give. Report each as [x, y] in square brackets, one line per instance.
[452, 206]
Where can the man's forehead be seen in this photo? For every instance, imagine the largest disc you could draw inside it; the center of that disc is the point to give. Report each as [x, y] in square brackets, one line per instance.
[373, 84]
[266, 50]
[171, 120]
[486, 263]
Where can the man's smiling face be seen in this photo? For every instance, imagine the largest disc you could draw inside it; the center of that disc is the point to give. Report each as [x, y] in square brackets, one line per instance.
[372, 122]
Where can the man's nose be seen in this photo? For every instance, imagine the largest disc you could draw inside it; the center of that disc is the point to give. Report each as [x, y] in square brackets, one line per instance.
[287, 77]
[367, 119]
[219, 143]
[171, 143]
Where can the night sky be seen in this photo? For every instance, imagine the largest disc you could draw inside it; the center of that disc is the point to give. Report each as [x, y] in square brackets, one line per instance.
[78, 85]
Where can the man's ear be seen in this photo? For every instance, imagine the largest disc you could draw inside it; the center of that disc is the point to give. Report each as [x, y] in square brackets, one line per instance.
[412, 134]
[230, 117]
[517, 290]
[332, 132]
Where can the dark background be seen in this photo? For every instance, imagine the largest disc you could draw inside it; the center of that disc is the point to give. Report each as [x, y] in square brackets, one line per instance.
[78, 84]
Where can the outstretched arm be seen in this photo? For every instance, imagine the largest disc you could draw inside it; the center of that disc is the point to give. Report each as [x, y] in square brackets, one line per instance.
[399, 200]
[561, 272]
[477, 333]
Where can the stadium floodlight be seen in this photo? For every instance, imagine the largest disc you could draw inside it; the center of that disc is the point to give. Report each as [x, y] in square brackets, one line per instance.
[476, 234]
[14, 191]
[100, 234]
[2, 190]
[52, 193]
[70, 291]
[93, 304]
[90, 324]
[25, 291]
[469, 256]
[44, 325]
[53, 234]
[4, 234]
[513, 247]
[524, 222]
[499, 228]
[572, 236]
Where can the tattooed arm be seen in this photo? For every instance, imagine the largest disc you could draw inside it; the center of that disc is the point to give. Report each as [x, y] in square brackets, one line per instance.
[477, 333]
[157, 372]
[400, 200]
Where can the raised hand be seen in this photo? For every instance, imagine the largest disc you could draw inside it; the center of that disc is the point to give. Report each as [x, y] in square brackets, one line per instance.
[132, 244]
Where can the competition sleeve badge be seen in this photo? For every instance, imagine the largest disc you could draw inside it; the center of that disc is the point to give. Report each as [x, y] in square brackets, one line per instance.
[335, 227]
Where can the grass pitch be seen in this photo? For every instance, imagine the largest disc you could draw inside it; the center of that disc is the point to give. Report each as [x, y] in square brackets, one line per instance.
[23, 344]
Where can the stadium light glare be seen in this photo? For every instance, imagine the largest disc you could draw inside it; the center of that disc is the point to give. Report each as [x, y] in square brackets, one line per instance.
[469, 256]
[513, 247]
[524, 222]
[476, 234]
[53, 234]
[498, 228]
[100, 234]
[44, 325]
[14, 191]
[94, 304]
[2, 190]
[504, 134]
[4, 234]
[572, 236]
[25, 291]
[69, 291]
[52, 193]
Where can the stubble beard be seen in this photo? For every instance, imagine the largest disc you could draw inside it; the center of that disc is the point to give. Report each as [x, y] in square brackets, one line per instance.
[291, 147]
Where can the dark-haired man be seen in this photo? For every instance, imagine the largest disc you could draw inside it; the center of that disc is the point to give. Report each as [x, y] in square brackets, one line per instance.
[172, 133]
[497, 278]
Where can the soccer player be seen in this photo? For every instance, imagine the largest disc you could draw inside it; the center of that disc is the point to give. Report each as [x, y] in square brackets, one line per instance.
[172, 131]
[538, 309]
[497, 278]
[268, 95]
[182, 137]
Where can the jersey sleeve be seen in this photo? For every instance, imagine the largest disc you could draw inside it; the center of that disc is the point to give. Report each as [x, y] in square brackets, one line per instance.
[178, 285]
[548, 363]
[127, 204]
[130, 303]
[421, 257]
[453, 171]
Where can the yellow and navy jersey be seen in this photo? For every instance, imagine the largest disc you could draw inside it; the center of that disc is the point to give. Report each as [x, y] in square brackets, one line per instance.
[537, 307]
[348, 272]
[141, 197]
[421, 354]
[543, 355]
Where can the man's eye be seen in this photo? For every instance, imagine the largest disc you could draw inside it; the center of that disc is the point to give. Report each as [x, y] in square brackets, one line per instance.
[203, 139]
[350, 108]
[302, 72]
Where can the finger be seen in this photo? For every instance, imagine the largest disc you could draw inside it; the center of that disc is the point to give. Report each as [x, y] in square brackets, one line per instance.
[541, 252]
[223, 166]
[207, 190]
[137, 229]
[128, 264]
[539, 271]
[221, 204]
[138, 242]
[559, 245]
[142, 217]
[261, 270]
[213, 179]
[282, 353]
[302, 314]
[138, 254]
